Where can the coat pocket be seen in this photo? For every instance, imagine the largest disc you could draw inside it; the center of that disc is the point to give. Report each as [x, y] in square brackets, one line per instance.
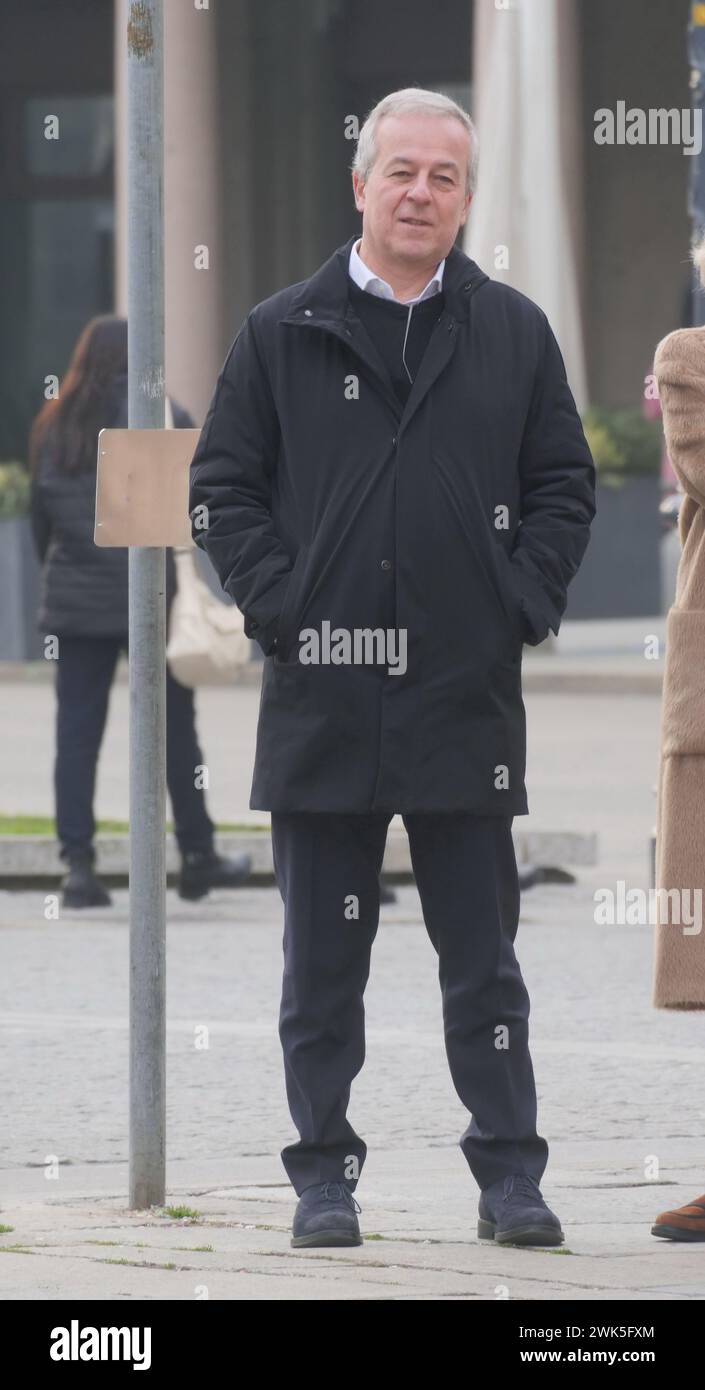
[683, 702]
[511, 600]
[291, 606]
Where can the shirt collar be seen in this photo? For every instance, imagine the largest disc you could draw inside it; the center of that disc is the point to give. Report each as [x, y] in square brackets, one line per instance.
[367, 280]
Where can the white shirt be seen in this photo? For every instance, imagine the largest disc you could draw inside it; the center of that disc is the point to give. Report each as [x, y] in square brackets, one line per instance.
[367, 280]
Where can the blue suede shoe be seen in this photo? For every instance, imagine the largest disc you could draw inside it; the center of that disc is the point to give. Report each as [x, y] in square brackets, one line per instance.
[513, 1212]
[326, 1215]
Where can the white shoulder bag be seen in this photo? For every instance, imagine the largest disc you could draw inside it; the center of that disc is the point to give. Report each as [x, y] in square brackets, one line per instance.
[207, 643]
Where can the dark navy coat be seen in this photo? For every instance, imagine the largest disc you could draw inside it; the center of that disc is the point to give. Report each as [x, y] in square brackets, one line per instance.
[319, 498]
[84, 586]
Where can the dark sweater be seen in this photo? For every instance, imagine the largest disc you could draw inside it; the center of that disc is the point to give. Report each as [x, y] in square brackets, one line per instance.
[385, 322]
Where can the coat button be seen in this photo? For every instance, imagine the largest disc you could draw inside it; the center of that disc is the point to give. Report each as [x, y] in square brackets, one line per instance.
[394, 439]
[308, 313]
[386, 564]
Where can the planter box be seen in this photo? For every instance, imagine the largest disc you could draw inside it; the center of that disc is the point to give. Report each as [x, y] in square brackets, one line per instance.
[620, 576]
[19, 586]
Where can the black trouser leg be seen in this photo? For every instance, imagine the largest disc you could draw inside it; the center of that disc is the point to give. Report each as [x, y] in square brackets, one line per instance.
[193, 827]
[466, 873]
[84, 675]
[327, 869]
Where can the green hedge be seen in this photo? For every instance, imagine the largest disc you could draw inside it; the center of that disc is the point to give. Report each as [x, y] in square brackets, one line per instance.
[623, 444]
[14, 490]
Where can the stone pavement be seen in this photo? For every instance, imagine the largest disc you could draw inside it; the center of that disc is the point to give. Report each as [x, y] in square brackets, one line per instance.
[620, 1100]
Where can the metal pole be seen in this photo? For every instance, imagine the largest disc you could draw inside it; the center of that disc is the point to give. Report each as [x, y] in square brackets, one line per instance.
[147, 615]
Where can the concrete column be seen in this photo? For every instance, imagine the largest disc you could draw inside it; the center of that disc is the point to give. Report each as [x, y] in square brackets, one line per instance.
[528, 107]
[192, 198]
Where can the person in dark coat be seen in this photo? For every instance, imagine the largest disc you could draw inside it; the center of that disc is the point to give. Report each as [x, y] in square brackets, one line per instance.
[393, 483]
[84, 607]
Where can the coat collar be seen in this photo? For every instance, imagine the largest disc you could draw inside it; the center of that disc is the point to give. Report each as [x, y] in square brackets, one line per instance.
[323, 303]
[325, 293]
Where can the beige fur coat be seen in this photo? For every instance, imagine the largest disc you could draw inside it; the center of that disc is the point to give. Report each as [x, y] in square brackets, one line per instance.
[679, 947]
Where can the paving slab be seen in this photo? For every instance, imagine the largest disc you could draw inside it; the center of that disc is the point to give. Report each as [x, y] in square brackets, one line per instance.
[620, 1102]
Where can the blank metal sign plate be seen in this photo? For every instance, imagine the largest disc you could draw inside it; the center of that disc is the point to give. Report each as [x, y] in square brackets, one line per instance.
[142, 487]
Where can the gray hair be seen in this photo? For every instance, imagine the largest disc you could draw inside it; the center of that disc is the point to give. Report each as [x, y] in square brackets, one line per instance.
[408, 101]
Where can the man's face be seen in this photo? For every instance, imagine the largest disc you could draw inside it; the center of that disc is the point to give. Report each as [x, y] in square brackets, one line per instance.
[414, 200]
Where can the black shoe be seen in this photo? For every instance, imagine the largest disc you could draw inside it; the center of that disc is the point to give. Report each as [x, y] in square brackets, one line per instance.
[326, 1215]
[386, 894]
[205, 869]
[513, 1212]
[80, 887]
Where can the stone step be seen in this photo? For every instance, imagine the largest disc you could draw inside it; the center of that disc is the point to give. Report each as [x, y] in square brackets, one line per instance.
[36, 856]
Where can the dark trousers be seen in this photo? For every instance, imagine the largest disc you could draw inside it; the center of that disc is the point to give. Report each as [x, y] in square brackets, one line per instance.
[466, 874]
[84, 675]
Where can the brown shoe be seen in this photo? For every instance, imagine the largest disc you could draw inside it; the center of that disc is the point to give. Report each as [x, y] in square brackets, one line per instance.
[685, 1223]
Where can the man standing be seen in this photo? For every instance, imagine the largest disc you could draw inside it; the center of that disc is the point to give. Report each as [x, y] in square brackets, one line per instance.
[393, 484]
